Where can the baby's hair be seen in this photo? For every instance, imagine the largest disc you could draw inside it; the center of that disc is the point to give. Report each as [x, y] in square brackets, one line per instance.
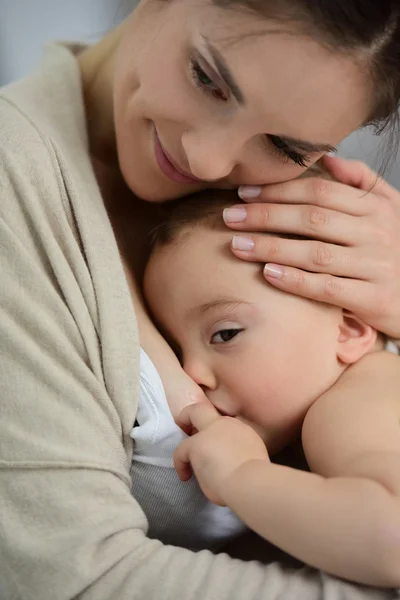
[205, 209]
[201, 209]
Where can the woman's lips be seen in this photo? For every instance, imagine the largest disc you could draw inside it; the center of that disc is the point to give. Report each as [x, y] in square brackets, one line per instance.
[168, 167]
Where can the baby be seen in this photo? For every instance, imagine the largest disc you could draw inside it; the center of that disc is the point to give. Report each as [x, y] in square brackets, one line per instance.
[264, 359]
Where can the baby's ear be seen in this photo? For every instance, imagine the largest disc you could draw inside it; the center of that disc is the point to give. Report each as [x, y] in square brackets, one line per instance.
[355, 338]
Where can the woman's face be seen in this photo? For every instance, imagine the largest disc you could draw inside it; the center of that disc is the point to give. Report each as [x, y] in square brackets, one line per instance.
[207, 97]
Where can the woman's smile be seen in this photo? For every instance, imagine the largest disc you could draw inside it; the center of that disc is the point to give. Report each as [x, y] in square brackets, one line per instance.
[168, 166]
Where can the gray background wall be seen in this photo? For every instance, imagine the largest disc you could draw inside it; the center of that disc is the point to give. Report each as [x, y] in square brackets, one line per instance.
[26, 25]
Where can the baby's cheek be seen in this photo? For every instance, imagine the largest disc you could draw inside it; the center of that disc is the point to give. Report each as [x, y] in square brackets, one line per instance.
[265, 398]
[279, 399]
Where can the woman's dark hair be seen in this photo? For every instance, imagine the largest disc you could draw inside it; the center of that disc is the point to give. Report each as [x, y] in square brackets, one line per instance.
[369, 30]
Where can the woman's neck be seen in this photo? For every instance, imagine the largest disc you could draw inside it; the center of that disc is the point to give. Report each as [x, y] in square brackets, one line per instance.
[97, 71]
[131, 218]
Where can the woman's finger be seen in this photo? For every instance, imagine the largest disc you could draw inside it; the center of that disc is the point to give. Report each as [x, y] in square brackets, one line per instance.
[319, 192]
[358, 175]
[181, 460]
[354, 295]
[197, 416]
[310, 255]
[310, 221]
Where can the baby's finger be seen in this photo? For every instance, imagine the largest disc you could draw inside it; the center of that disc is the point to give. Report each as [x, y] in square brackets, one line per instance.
[181, 460]
[310, 255]
[317, 191]
[197, 416]
[353, 295]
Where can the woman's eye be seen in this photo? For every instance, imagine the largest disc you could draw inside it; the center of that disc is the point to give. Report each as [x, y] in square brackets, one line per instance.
[224, 335]
[204, 82]
[299, 159]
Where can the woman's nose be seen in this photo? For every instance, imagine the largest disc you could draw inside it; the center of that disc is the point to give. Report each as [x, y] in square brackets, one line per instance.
[211, 157]
[201, 374]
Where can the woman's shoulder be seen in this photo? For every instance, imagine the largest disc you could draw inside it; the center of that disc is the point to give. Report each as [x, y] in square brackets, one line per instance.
[23, 145]
[33, 201]
[42, 115]
[28, 176]
[46, 107]
[45, 166]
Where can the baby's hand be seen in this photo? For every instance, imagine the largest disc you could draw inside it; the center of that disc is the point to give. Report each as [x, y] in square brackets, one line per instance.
[218, 446]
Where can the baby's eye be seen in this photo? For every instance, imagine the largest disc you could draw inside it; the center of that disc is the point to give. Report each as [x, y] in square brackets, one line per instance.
[224, 335]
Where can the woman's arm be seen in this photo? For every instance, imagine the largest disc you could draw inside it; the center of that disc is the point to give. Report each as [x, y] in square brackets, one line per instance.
[343, 518]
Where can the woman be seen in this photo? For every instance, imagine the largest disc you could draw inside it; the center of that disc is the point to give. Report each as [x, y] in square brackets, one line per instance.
[184, 95]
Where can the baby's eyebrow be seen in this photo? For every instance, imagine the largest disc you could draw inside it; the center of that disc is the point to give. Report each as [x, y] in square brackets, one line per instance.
[228, 303]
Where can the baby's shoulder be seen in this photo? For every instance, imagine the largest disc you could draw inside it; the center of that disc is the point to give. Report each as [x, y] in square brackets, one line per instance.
[358, 415]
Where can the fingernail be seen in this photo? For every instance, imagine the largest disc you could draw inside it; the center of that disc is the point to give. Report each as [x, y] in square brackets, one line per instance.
[249, 191]
[273, 271]
[332, 153]
[235, 214]
[242, 243]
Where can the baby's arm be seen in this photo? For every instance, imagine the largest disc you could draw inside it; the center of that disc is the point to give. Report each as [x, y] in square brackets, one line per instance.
[344, 517]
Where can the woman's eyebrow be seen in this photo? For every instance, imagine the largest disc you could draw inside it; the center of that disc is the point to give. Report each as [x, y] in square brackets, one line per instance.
[227, 76]
[224, 71]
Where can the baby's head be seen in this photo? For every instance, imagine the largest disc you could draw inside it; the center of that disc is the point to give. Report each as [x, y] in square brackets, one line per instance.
[260, 354]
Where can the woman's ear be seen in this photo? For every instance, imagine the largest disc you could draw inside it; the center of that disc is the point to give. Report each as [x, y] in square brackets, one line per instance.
[355, 338]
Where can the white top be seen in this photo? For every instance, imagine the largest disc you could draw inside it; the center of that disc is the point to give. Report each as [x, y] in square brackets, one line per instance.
[178, 512]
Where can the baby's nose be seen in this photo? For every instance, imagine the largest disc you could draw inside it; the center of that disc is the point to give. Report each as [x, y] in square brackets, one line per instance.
[201, 374]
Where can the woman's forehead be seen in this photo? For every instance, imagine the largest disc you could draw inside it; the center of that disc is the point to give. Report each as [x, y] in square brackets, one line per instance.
[304, 89]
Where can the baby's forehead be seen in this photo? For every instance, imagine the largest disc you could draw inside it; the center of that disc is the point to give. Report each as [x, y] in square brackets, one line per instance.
[197, 267]
[206, 240]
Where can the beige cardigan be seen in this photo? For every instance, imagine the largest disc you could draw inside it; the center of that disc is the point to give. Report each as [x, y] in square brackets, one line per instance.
[69, 353]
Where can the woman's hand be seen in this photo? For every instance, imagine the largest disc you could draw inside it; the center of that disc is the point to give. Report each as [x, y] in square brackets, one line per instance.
[353, 257]
[217, 448]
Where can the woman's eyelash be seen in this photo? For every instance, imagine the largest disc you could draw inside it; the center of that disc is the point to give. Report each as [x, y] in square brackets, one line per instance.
[299, 159]
[204, 81]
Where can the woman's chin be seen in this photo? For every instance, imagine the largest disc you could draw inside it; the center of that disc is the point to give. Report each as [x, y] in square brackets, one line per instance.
[159, 193]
